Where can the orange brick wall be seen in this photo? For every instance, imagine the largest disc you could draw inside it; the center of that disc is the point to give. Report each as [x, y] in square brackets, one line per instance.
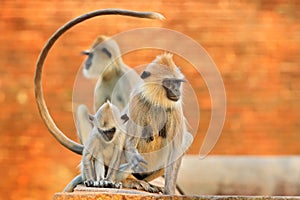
[255, 44]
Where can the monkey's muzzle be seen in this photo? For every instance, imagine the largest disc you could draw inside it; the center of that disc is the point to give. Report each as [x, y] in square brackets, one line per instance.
[172, 87]
[107, 134]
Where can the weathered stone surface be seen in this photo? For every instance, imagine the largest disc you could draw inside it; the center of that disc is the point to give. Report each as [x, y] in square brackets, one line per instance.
[121, 194]
[82, 192]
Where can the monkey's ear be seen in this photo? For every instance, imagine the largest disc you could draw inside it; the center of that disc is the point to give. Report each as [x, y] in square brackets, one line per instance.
[145, 74]
[104, 50]
[125, 117]
[91, 117]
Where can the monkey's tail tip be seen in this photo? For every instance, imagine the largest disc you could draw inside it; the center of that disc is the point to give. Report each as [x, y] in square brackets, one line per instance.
[158, 16]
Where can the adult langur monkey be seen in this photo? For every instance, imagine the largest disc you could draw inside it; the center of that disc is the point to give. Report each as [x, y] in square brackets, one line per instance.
[43, 110]
[156, 126]
[104, 62]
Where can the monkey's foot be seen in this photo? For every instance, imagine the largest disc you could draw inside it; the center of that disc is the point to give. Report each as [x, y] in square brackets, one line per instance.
[89, 183]
[103, 184]
[142, 185]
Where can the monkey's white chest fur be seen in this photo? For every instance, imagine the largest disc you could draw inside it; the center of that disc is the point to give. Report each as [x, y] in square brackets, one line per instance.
[103, 150]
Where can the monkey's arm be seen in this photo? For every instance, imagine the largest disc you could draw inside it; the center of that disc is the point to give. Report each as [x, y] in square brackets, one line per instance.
[88, 171]
[133, 157]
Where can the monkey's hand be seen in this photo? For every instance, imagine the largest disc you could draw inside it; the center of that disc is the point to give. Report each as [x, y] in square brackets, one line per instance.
[136, 161]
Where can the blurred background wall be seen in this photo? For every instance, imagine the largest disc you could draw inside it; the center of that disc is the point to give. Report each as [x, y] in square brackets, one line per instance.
[255, 45]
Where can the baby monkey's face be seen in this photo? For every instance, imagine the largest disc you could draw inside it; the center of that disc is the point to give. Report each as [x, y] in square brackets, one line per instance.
[105, 121]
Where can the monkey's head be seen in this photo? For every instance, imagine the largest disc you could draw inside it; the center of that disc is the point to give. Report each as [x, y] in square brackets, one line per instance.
[106, 120]
[162, 81]
[103, 54]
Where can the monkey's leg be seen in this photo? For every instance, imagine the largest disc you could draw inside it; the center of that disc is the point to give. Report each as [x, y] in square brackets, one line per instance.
[171, 176]
[155, 175]
[70, 187]
[158, 174]
[88, 169]
[133, 183]
[114, 164]
[112, 170]
[99, 168]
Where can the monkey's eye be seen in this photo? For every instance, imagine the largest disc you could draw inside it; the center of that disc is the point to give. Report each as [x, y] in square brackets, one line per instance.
[178, 82]
[171, 83]
[166, 83]
[145, 74]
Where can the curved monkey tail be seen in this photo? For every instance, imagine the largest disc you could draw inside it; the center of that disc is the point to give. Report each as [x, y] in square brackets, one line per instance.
[76, 181]
[43, 110]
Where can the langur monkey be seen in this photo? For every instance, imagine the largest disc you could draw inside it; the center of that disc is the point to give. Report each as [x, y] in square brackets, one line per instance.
[43, 110]
[156, 127]
[104, 147]
[104, 62]
[104, 151]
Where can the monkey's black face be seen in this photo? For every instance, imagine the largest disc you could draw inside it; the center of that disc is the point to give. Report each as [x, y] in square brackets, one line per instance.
[107, 134]
[172, 87]
[88, 62]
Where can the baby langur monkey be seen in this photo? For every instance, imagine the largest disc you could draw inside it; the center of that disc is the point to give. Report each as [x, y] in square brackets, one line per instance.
[103, 148]
[156, 127]
[104, 151]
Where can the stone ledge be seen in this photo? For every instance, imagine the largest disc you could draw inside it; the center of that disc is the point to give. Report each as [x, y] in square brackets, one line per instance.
[123, 196]
[127, 194]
